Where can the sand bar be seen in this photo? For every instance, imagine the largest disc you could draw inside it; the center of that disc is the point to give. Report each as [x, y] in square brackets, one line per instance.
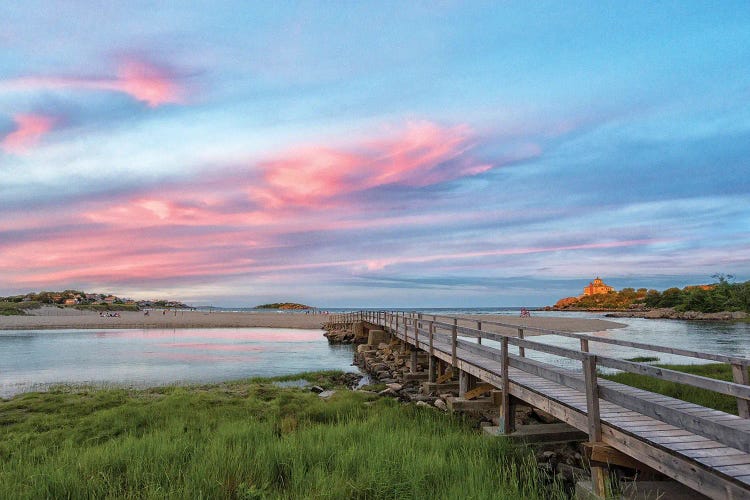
[55, 318]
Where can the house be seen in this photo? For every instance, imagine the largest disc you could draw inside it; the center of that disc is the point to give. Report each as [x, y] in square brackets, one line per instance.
[596, 287]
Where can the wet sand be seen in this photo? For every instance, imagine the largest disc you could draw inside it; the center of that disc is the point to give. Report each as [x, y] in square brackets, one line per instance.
[55, 318]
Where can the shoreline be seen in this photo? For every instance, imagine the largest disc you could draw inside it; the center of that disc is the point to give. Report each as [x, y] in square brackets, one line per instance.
[53, 318]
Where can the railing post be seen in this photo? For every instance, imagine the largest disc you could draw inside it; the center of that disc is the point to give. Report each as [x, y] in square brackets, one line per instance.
[508, 418]
[598, 473]
[431, 368]
[416, 333]
[521, 350]
[584, 345]
[479, 327]
[739, 376]
[454, 343]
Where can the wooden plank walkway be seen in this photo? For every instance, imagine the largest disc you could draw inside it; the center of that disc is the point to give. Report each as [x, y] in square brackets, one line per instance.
[705, 449]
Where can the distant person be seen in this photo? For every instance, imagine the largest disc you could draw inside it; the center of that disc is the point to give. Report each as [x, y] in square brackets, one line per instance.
[525, 313]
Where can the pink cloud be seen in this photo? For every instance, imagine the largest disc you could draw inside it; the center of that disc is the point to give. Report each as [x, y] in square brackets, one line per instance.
[29, 130]
[148, 83]
[228, 221]
[420, 155]
[142, 80]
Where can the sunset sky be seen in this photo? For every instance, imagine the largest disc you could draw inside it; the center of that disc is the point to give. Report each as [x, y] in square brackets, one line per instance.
[372, 153]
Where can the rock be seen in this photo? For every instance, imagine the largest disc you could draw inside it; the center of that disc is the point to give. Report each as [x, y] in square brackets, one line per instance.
[388, 380]
[570, 473]
[547, 455]
[424, 404]
[394, 386]
[388, 392]
[418, 397]
[440, 405]
[316, 389]
[327, 394]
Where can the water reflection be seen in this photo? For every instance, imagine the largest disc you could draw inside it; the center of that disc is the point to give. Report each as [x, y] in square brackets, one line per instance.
[32, 360]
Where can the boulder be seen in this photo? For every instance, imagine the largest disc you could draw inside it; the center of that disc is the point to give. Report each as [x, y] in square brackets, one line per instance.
[441, 405]
[394, 386]
[327, 394]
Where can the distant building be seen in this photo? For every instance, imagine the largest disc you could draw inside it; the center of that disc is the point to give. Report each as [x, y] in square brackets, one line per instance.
[70, 302]
[596, 287]
[110, 299]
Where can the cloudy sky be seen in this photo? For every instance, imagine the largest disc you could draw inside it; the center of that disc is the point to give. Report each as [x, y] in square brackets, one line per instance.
[372, 153]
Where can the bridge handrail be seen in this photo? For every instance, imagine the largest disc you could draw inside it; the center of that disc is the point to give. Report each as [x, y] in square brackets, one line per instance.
[738, 389]
[721, 358]
[710, 429]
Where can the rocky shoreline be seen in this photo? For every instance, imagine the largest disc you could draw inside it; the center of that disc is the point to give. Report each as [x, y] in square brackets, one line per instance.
[669, 313]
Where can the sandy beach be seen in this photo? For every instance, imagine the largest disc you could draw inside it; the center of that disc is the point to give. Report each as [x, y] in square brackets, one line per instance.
[55, 318]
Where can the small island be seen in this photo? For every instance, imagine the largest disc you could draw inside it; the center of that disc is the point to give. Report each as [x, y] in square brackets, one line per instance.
[285, 306]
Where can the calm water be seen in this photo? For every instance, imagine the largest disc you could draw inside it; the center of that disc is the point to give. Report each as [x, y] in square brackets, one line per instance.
[720, 337]
[34, 360]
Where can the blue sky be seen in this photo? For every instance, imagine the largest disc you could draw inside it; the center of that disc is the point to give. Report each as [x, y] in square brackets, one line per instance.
[373, 154]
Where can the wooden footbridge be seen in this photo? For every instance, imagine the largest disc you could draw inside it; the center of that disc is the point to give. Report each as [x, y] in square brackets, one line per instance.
[704, 449]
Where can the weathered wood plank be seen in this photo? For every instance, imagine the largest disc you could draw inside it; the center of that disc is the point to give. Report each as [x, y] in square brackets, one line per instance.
[707, 428]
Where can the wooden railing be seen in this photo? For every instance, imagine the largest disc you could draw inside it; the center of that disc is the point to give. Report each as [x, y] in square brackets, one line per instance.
[429, 330]
[448, 337]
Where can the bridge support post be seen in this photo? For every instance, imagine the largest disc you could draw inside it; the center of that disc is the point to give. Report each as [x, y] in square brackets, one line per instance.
[598, 472]
[432, 369]
[507, 410]
[413, 365]
[466, 382]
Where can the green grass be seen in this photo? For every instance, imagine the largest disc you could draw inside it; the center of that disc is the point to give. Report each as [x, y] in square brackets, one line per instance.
[12, 308]
[643, 359]
[249, 439]
[695, 395]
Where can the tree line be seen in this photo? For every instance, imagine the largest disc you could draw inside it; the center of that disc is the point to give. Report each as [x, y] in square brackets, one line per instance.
[723, 295]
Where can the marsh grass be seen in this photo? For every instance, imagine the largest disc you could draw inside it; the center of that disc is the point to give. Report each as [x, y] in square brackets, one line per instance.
[695, 395]
[249, 439]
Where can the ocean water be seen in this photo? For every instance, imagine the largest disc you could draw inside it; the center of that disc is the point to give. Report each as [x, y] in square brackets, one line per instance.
[37, 359]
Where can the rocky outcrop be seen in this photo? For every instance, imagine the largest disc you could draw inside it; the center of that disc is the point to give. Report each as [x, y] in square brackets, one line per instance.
[669, 313]
[341, 333]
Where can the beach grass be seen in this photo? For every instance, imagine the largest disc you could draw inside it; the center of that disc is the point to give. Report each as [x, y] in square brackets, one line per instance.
[250, 439]
[643, 359]
[692, 394]
[12, 308]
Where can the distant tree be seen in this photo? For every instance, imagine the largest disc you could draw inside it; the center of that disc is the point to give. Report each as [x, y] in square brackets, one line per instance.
[671, 297]
[653, 297]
